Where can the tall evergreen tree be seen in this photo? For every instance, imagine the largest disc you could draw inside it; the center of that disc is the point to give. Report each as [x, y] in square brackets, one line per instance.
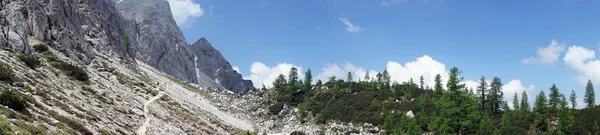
[422, 81]
[516, 102]
[554, 97]
[573, 99]
[438, 86]
[280, 82]
[565, 118]
[482, 89]
[386, 78]
[524, 102]
[379, 77]
[293, 79]
[495, 95]
[307, 79]
[349, 77]
[541, 109]
[367, 77]
[590, 97]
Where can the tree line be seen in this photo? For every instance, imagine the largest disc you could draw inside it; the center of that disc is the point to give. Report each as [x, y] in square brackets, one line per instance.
[453, 109]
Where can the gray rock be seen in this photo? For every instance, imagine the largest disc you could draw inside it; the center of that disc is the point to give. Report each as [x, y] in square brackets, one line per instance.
[158, 41]
[211, 63]
[156, 38]
[410, 114]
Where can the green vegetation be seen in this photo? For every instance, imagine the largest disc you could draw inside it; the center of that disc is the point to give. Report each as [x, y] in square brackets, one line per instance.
[70, 70]
[30, 61]
[75, 125]
[127, 45]
[13, 100]
[40, 48]
[453, 109]
[297, 133]
[6, 72]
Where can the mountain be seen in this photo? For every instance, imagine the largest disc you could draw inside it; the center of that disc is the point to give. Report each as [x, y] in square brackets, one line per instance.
[209, 61]
[158, 41]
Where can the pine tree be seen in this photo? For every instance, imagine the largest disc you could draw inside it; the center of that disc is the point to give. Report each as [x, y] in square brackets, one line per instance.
[495, 95]
[482, 89]
[524, 102]
[367, 77]
[438, 86]
[573, 99]
[293, 76]
[386, 78]
[541, 109]
[590, 97]
[307, 80]
[516, 102]
[554, 97]
[349, 77]
[379, 77]
[422, 81]
[565, 118]
[280, 82]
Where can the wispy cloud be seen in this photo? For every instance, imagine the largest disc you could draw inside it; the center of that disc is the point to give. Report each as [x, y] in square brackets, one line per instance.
[211, 9]
[388, 3]
[263, 4]
[351, 27]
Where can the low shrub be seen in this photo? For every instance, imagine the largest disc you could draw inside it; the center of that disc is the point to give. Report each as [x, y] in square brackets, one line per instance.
[6, 72]
[12, 100]
[74, 124]
[71, 70]
[297, 133]
[40, 48]
[276, 108]
[30, 61]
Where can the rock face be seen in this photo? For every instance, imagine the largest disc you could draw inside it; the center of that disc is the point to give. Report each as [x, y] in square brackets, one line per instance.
[210, 62]
[156, 37]
[78, 28]
[72, 27]
[158, 41]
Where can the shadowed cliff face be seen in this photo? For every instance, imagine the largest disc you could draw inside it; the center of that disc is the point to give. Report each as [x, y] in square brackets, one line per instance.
[158, 41]
[72, 27]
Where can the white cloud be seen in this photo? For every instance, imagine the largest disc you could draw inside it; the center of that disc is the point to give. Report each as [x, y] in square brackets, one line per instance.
[580, 103]
[236, 68]
[515, 86]
[472, 84]
[351, 27]
[183, 10]
[261, 74]
[342, 73]
[425, 65]
[583, 61]
[388, 3]
[211, 10]
[547, 55]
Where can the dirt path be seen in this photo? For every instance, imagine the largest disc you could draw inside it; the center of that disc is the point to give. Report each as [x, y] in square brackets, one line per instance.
[194, 100]
[142, 129]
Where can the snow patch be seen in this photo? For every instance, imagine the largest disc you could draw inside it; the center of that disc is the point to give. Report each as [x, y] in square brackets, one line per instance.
[196, 67]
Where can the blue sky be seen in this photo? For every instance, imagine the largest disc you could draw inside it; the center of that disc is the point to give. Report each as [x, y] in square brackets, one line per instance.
[481, 37]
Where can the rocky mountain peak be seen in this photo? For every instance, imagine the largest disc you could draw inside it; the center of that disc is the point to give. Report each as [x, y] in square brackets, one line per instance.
[159, 42]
